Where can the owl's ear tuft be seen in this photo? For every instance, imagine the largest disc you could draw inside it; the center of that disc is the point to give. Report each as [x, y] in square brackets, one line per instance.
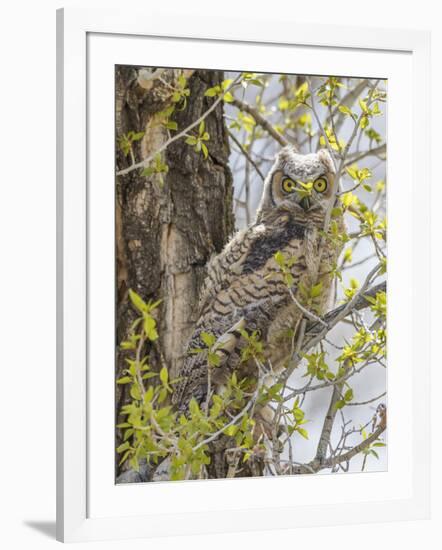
[327, 160]
[286, 153]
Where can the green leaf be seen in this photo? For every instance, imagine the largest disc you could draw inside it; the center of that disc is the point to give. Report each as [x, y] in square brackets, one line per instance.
[354, 283]
[339, 404]
[148, 171]
[162, 395]
[380, 185]
[364, 122]
[348, 395]
[316, 290]
[149, 375]
[150, 328]
[302, 90]
[128, 433]
[124, 380]
[204, 150]
[194, 407]
[275, 389]
[148, 396]
[289, 280]
[283, 103]
[376, 110]
[213, 359]
[345, 110]
[137, 136]
[336, 212]
[212, 92]
[363, 105]
[352, 171]
[208, 339]
[256, 82]
[135, 392]
[164, 376]
[137, 301]
[231, 430]
[348, 199]
[123, 447]
[348, 254]
[154, 305]
[228, 97]
[134, 463]
[302, 432]
[279, 258]
[123, 458]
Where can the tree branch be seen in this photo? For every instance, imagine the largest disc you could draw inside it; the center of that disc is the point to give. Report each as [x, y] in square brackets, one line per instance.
[314, 328]
[359, 403]
[345, 457]
[328, 422]
[246, 154]
[263, 122]
[376, 152]
[316, 465]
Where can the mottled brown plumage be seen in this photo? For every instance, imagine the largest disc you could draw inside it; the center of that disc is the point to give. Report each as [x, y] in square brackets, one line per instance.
[245, 288]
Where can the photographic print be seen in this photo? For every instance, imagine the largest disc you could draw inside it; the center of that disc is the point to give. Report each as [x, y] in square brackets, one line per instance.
[251, 260]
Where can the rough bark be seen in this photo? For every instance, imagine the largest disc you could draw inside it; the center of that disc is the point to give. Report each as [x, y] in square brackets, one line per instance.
[166, 233]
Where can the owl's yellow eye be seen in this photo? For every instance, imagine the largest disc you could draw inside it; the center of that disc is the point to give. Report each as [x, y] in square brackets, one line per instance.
[320, 185]
[288, 185]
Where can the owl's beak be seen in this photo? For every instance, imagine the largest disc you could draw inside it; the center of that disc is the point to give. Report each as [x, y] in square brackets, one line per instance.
[305, 203]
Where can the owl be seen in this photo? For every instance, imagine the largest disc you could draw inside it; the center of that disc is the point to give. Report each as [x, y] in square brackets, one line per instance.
[246, 289]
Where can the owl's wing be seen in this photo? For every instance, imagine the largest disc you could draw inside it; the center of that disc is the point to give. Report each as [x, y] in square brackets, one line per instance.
[249, 252]
[226, 266]
[244, 283]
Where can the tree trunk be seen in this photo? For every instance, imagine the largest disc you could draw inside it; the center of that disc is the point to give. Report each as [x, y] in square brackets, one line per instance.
[167, 231]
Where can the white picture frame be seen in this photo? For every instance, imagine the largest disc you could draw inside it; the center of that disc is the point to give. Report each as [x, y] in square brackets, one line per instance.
[89, 505]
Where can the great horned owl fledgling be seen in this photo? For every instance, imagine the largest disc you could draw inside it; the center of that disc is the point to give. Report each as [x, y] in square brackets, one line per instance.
[245, 287]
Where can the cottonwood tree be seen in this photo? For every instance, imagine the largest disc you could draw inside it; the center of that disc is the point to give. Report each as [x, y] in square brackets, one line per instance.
[175, 208]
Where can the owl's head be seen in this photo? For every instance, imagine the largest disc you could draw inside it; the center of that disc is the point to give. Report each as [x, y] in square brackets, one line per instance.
[302, 183]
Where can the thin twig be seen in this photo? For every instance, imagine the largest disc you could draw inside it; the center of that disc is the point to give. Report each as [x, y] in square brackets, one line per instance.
[231, 423]
[307, 313]
[345, 457]
[375, 152]
[263, 122]
[316, 465]
[246, 154]
[368, 400]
